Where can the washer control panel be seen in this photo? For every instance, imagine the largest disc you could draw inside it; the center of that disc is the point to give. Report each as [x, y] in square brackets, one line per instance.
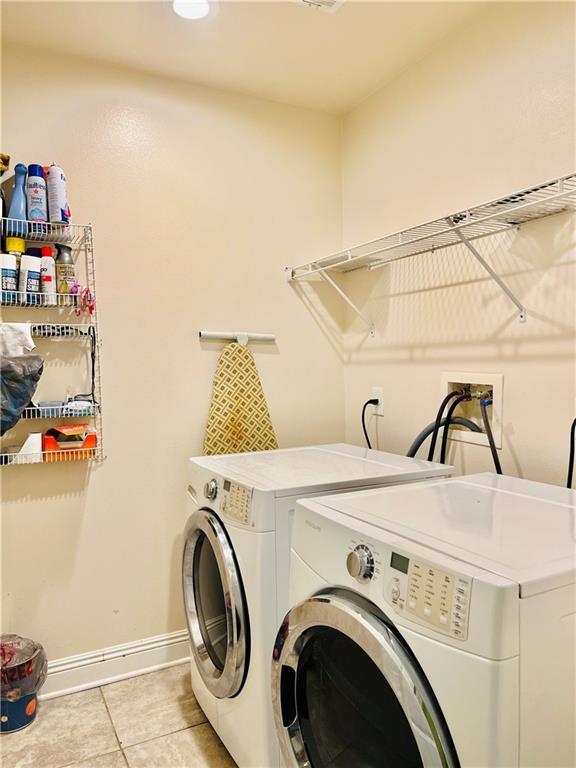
[432, 596]
[236, 501]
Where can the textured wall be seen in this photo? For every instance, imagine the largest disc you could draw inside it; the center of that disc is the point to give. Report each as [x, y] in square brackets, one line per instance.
[488, 112]
[198, 200]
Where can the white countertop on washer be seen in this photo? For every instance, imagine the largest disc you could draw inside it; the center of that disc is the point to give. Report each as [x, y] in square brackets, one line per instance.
[316, 468]
[522, 530]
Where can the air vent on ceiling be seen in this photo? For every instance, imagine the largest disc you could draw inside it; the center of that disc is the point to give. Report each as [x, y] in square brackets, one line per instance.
[328, 6]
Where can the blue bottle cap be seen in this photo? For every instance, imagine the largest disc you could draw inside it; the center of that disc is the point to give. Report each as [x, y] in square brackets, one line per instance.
[20, 168]
[35, 170]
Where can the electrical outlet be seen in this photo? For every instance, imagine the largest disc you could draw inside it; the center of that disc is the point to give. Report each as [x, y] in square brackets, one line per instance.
[378, 394]
[491, 385]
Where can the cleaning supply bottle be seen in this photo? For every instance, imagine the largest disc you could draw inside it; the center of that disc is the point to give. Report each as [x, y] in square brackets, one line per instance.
[9, 277]
[58, 208]
[48, 287]
[65, 271]
[29, 279]
[16, 246]
[18, 204]
[36, 196]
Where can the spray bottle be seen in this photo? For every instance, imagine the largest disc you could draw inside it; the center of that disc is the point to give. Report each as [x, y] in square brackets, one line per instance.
[18, 204]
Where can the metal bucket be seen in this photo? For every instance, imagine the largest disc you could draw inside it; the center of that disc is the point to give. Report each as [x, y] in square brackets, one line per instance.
[23, 672]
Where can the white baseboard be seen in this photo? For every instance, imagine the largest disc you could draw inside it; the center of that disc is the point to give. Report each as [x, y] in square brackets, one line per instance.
[95, 668]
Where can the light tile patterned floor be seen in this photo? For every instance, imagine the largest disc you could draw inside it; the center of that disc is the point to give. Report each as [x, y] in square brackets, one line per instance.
[151, 721]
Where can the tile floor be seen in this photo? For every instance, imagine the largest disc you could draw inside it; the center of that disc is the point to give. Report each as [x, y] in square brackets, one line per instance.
[151, 721]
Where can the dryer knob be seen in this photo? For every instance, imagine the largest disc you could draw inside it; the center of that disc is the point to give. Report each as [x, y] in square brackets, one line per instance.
[360, 563]
[211, 489]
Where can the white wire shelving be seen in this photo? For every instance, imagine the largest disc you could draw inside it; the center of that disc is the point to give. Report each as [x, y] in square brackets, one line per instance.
[38, 300]
[80, 239]
[461, 228]
[36, 232]
[63, 330]
[66, 411]
[13, 458]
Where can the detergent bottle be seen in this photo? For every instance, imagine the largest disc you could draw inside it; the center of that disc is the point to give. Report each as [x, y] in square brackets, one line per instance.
[18, 204]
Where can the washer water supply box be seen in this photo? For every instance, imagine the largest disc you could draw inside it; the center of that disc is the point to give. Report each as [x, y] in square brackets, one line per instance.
[24, 668]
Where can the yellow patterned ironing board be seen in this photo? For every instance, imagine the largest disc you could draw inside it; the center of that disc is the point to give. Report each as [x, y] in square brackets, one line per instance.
[238, 420]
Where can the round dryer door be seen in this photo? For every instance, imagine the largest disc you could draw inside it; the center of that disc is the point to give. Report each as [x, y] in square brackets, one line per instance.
[215, 605]
[347, 691]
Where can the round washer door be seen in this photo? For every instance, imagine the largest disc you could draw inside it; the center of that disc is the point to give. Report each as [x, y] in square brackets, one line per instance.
[215, 606]
[347, 691]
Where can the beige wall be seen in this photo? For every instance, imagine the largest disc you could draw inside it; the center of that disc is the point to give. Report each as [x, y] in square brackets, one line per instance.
[198, 199]
[207, 195]
[488, 112]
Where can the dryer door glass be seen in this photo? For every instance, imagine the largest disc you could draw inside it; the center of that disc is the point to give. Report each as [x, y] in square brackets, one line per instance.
[347, 691]
[210, 602]
[215, 605]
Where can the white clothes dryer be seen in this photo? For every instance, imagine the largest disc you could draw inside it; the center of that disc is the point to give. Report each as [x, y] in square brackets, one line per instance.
[235, 571]
[433, 627]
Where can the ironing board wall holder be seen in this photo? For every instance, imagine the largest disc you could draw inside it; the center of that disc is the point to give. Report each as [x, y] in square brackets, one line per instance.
[241, 337]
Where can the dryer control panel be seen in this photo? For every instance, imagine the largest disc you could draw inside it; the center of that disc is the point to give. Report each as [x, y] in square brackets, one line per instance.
[236, 501]
[433, 596]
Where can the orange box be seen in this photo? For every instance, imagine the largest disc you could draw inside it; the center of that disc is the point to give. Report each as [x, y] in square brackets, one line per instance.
[73, 451]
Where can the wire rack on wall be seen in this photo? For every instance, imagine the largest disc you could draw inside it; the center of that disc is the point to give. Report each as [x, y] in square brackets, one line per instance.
[80, 239]
[464, 227]
[63, 330]
[38, 300]
[36, 232]
[48, 457]
[66, 411]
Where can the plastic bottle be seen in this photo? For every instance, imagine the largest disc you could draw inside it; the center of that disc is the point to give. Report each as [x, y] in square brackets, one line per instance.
[9, 278]
[16, 246]
[29, 279]
[58, 209]
[18, 204]
[36, 196]
[48, 286]
[65, 271]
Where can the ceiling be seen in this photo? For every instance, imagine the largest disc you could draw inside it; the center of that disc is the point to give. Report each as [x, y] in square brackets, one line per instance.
[277, 49]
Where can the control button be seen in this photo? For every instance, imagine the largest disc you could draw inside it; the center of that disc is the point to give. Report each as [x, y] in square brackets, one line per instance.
[443, 618]
[395, 593]
[360, 563]
[427, 610]
[211, 489]
[412, 603]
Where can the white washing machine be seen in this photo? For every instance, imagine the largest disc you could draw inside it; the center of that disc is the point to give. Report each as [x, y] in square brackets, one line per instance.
[235, 572]
[433, 625]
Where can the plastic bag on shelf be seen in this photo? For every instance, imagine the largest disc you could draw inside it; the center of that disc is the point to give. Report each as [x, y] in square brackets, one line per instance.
[19, 378]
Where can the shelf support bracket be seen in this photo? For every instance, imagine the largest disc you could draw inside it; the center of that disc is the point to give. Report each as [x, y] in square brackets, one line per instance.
[349, 301]
[482, 261]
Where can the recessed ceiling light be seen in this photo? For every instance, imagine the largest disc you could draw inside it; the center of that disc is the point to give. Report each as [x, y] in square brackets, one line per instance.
[191, 9]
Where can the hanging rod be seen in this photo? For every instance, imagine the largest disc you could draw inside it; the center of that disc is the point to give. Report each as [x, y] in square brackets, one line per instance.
[242, 337]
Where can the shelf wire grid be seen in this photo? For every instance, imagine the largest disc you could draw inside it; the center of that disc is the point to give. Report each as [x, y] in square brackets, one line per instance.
[66, 411]
[490, 218]
[82, 238]
[63, 330]
[44, 457]
[39, 300]
[45, 232]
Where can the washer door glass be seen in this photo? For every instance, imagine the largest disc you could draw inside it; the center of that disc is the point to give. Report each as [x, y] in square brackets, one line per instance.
[215, 605]
[347, 691]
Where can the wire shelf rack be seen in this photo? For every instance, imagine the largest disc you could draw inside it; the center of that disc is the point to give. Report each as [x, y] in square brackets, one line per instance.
[462, 228]
[38, 300]
[63, 330]
[65, 411]
[81, 239]
[69, 454]
[488, 219]
[33, 231]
